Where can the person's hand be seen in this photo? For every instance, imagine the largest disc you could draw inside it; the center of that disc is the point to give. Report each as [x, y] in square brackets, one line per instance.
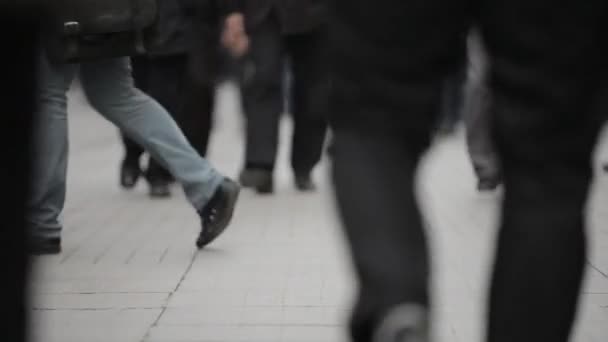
[234, 37]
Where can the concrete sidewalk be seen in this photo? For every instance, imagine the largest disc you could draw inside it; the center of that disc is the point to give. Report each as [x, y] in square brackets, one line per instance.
[130, 271]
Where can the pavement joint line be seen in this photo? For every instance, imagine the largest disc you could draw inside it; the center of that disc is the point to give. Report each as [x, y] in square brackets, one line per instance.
[171, 294]
[97, 309]
[162, 257]
[597, 269]
[104, 293]
[255, 325]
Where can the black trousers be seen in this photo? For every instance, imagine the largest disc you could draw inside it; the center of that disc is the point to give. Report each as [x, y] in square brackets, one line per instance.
[190, 101]
[263, 98]
[389, 60]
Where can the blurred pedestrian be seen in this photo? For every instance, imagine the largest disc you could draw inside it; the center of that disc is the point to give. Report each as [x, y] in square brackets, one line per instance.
[280, 31]
[389, 62]
[180, 71]
[109, 87]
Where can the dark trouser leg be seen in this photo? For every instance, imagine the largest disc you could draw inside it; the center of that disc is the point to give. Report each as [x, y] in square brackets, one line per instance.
[196, 117]
[166, 84]
[133, 151]
[546, 126]
[262, 99]
[385, 96]
[374, 180]
[310, 90]
[541, 249]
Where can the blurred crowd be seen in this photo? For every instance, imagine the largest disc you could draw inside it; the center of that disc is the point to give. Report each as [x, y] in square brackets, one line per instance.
[370, 83]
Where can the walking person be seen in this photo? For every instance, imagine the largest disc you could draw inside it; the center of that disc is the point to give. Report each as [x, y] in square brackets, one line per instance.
[284, 34]
[109, 88]
[389, 60]
[180, 72]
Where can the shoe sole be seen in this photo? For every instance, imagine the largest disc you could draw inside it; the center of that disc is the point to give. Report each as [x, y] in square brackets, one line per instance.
[233, 198]
[159, 195]
[128, 186]
[46, 250]
[262, 189]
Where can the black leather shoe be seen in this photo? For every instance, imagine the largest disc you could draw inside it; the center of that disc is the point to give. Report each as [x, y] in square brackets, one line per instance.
[304, 182]
[129, 174]
[44, 246]
[160, 190]
[484, 185]
[258, 179]
[216, 216]
[406, 323]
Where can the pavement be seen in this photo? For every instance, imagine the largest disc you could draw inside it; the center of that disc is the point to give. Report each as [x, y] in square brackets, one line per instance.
[130, 271]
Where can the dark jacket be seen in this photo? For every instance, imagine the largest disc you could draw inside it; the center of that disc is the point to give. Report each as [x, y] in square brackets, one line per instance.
[182, 24]
[295, 16]
[206, 20]
[169, 35]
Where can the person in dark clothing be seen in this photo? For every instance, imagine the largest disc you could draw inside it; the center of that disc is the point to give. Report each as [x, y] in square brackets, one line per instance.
[179, 72]
[280, 31]
[109, 87]
[389, 61]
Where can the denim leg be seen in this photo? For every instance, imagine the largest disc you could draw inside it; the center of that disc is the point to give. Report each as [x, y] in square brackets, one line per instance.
[110, 89]
[50, 152]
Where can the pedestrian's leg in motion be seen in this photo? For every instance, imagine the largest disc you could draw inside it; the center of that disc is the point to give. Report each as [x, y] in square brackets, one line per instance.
[374, 179]
[109, 87]
[545, 122]
[388, 68]
[50, 158]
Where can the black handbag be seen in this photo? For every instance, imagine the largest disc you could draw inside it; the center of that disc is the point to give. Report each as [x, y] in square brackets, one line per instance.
[84, 30]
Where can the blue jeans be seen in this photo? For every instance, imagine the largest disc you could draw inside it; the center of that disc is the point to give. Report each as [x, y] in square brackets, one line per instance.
[109, 88]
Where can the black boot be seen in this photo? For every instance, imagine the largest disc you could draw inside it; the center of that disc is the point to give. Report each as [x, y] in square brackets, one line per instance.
[304, 182]
[130, 172]
[258, 179]
[406, 323]
[487, 184]
[216, 216]
[159, 189]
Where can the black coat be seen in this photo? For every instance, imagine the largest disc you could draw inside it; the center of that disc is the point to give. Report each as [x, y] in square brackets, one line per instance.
[169, 35]
[295, 16]
[183, 24]
[205, 20]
